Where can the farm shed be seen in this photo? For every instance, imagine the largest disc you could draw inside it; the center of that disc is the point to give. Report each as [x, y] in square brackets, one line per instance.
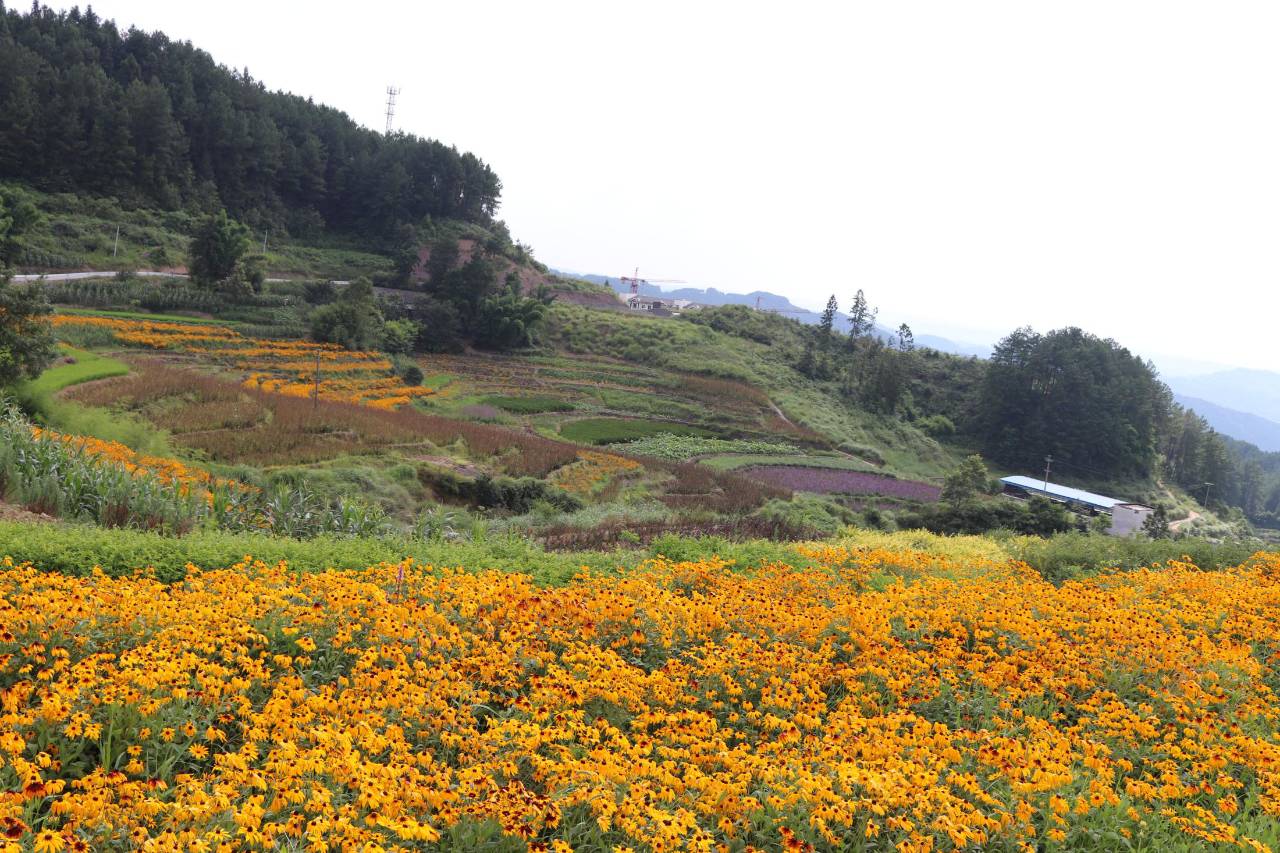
[1126, 518]
[1019, 486]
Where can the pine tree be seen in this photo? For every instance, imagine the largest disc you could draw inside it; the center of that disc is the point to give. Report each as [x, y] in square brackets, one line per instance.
[827, 323]
[216, 248]
[906, 340]
[27, 344]
[862, 317]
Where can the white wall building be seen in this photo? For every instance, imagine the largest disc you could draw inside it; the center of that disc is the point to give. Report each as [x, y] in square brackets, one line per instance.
[1127, 519]
[644, 303]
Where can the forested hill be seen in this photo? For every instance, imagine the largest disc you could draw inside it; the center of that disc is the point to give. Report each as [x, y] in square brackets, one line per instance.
[85, 107]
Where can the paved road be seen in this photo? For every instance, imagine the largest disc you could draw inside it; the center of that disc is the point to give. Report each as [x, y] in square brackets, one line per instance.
[72, 276]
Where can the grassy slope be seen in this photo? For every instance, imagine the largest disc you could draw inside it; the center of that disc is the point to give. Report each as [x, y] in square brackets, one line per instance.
[86, 367]
[79, 232]
[679, 345]
[76, 549]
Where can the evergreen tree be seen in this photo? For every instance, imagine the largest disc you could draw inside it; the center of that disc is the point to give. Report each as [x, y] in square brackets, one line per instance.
[27, 344]
[808, 364]
[862, 317]
[906, 340]
[827, 324]
[967, 481]
[353, 321]
[1156, 525]
[218, 244]
[17, 216]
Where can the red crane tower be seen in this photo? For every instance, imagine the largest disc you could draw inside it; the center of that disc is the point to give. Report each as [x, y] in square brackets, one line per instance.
[634, 281]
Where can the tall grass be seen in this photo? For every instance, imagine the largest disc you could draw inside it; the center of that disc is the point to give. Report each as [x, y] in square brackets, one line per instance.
[65, 480]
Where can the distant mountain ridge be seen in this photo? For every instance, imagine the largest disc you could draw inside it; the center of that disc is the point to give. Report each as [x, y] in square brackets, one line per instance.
[773, 302]
[1255, 392]
[1260, 432]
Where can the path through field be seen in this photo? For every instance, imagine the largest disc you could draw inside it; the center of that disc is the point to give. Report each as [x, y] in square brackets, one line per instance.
[1182, 522]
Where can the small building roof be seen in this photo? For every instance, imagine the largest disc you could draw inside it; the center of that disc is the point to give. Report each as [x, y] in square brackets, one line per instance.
[1062, 493]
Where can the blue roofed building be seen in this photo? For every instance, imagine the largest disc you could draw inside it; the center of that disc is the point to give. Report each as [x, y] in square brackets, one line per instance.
[1127, 517]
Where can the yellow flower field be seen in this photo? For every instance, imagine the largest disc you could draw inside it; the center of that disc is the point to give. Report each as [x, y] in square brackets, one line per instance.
[679, 706]
[592, 471]
[283, 366]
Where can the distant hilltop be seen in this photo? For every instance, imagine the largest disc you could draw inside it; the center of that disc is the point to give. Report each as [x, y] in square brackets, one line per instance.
[767, 301]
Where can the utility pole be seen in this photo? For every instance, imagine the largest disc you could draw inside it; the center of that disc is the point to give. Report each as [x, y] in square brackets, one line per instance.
[115, 247]
[315, 390]
[1207, 486]
[264, 242]
[1048, 461]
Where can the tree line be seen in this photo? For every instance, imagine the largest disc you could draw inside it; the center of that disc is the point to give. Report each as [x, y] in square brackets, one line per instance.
[88, 108]
[1099, 410]
[461, 303]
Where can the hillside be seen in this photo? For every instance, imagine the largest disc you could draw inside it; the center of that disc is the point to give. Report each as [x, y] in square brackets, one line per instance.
[135, 115]
[760, 403]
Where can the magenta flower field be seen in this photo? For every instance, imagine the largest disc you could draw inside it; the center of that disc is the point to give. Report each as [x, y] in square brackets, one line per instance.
[832, 481]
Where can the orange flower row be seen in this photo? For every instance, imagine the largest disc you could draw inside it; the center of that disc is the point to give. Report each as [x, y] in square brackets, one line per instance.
[287, 367]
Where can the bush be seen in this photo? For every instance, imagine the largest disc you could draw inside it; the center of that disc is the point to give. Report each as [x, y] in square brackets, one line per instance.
[353, 321]
[936, 426]
[1069, 555]
[514, 495]
[808, 511]
[399, 336]
[1036, 517]
[412, 375]
[77, 549]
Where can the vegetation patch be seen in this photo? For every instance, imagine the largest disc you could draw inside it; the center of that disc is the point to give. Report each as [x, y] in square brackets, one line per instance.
[680, 447]
[735, 462]
[75, 367]
[614, 430]
[532, 405]
[803, 478]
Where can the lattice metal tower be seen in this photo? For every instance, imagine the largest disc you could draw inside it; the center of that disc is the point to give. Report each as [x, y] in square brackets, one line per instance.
[392, 91]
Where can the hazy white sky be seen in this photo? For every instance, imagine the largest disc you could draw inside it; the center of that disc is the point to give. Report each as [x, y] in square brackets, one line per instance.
[973, 166]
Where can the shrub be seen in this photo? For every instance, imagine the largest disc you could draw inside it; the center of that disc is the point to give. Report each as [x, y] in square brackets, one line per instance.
[936, 426]
[1036, 517]
[514, 495]
[807, 511]
[412, 375]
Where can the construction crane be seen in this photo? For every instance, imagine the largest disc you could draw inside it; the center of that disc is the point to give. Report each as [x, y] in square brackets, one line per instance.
[633, 282]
